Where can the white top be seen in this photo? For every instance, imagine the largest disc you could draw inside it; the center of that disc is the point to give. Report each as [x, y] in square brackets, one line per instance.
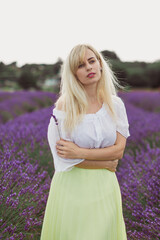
[97, 130]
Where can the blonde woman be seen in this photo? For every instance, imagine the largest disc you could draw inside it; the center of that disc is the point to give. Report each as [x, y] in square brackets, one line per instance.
[84, 201]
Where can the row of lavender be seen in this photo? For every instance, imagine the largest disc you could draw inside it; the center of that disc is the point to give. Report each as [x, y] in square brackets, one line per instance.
[27, 168]
[139, 173]
[13, 104]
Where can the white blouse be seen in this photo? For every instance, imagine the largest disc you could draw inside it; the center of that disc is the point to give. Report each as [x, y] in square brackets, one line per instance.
[97, 130]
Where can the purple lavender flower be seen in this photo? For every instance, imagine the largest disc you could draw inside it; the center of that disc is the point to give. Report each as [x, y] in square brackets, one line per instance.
[56, 122]
[27, 167]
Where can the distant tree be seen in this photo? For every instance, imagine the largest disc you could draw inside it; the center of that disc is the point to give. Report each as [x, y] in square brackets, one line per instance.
[119, 70]
[28, 80]
[57, 66]
[110, 55]
[2, 66]
[137, 80]
[154, 75]
[13, 64]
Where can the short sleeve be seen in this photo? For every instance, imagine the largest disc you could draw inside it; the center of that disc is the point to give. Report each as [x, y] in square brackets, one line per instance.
[53, 136]
[122, 125]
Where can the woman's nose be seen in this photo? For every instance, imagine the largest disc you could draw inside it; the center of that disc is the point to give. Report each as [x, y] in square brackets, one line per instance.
[88, 66]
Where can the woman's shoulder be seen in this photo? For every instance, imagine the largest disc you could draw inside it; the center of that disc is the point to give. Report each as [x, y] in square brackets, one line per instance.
[59, 104]
[117, 100]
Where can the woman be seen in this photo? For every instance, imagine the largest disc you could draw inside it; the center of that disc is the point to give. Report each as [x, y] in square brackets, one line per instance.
[84, 201]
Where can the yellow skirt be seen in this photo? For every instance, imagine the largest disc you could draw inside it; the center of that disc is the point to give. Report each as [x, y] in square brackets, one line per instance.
[84, 204]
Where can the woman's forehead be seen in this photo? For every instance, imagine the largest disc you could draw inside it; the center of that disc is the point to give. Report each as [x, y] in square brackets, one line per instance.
[87, 55]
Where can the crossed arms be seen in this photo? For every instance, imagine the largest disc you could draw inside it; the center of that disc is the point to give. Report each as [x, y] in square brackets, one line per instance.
[102, 157]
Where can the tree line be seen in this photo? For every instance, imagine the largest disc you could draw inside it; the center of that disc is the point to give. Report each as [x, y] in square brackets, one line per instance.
[132, 74]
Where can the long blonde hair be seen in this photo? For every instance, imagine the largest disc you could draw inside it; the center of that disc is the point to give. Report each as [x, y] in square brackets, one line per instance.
[72, 92]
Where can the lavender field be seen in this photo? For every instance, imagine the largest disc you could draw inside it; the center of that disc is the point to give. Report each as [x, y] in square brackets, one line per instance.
[26, 164]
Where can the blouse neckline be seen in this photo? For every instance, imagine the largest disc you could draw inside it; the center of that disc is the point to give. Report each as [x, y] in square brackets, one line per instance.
[89, 116]
[95, 112]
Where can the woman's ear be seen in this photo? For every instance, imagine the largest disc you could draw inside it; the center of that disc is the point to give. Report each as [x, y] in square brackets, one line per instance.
[100, 64]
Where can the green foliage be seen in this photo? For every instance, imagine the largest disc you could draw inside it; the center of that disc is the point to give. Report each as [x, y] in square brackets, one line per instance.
[6, 116]
[28, 107]
[43, 102]
[43, 154]
[132, 74]
[25, 107]
[138, 74]
[27, 80]
[153, 72]
[110, 55]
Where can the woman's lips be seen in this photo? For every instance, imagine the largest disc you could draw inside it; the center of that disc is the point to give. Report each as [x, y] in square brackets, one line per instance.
[91, 75]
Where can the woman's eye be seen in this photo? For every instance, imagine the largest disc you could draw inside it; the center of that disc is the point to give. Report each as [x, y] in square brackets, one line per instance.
[80, 65]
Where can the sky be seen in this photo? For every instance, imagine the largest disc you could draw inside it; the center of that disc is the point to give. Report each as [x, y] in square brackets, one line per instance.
[41, 31]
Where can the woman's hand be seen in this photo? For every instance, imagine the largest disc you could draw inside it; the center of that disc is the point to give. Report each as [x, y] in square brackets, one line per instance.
[111, 165]
[67, 149]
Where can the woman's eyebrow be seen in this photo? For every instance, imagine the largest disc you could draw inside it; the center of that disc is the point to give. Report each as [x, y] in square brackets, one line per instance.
[90, 58]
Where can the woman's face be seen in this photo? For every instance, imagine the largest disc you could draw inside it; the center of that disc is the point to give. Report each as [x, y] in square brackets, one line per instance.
[90, 65]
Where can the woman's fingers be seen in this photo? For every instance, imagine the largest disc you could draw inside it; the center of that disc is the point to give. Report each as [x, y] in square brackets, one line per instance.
[61, 147]
[112, 165]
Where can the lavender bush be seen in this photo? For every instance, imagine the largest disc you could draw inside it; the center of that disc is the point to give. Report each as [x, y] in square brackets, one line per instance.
[17, 103]
[139, 180]
[139, 171]
[25, 175]
[147, 100]
[23, 193]
[27, 168]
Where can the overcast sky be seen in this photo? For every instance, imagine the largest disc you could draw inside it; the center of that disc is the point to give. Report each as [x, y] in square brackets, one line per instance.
[40, 31]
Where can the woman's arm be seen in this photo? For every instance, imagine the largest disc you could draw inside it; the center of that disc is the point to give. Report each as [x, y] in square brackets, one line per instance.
[88, 164]
[105, 154]
[68, 149]
[100, 154]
